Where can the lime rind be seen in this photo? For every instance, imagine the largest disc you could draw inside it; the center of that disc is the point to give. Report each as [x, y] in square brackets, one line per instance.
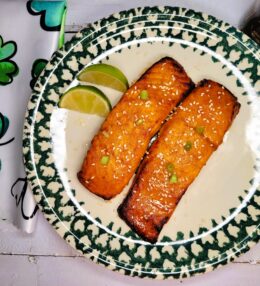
[106, 75]
[86, 99]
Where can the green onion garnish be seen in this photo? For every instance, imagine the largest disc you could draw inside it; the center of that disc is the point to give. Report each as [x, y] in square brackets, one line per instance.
[139, 121]
[170, 167]
[173, 179]
[188, 146]
[104, 160]
[200, 129]
[144, 95]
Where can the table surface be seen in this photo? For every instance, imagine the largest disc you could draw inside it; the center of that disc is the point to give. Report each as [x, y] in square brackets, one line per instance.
[43, 258]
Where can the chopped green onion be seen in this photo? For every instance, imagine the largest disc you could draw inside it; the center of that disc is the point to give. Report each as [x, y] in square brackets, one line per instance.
[139, 121]
[173, 179]
[170, 167]
[200, 129]
[144, 95]
[188, 146]
[104, 160]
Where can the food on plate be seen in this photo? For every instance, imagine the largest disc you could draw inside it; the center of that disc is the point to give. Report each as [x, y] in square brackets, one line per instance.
[118, 147]
[86, 99]
[106, 75]
[185, 143]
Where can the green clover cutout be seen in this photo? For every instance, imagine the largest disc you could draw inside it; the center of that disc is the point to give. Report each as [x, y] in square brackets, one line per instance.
[51, 13]
[4, 125]
[37, 68]
[8, 68]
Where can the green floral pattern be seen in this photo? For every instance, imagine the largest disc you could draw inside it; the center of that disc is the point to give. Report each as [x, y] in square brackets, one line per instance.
[165, 260]
[8, 68]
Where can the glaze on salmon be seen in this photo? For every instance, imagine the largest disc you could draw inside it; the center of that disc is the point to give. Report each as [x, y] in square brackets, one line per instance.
[118, 147]
[185, 143]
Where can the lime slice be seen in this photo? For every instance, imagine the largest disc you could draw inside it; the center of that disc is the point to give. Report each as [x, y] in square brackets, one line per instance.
[105, 75]
[86, 99]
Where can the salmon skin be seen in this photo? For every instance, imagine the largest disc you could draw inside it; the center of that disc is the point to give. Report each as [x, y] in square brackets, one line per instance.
[175, 159]
[117, 149]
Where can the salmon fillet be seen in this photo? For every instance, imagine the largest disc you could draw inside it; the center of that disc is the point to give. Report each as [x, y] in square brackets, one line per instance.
[117, 149]
[183, 147]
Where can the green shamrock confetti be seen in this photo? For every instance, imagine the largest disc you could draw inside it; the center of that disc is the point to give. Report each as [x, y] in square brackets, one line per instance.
[8, 68]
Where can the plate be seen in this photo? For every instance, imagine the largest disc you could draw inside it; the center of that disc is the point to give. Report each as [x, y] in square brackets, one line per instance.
[218, 217]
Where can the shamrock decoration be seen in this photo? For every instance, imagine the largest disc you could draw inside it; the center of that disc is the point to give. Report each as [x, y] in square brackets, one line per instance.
[37, 68]
[8, 68]
[51, 13]
[4, 124]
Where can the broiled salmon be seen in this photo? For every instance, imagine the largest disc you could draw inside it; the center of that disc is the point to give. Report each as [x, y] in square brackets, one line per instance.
[118, 147]
[175, 159]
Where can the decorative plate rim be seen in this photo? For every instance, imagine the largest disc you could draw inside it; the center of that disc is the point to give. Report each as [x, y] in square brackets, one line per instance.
[29, 125]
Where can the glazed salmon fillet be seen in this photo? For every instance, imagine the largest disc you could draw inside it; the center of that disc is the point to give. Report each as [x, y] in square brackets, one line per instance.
[118, 147]
[185, 143]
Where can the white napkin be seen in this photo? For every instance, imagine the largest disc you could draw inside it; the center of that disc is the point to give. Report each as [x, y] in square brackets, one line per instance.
[29, 34]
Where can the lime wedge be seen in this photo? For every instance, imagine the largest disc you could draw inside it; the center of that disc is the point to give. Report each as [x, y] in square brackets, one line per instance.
[106, 75]
[86, 99]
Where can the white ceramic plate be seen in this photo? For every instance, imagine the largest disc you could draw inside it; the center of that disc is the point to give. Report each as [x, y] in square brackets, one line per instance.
[218, 216]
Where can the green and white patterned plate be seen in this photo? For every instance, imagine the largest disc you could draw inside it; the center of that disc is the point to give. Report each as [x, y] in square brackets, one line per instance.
[218, 217]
